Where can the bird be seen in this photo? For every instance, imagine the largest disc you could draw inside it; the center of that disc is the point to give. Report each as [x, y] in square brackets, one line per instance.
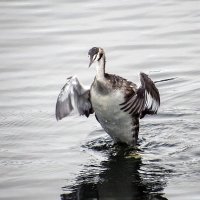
[118, 104]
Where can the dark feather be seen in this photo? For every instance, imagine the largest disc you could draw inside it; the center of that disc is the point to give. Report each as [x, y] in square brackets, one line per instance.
[73, 96]
[145, 101]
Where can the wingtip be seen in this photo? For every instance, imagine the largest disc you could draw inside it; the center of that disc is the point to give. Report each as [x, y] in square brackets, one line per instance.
[57, 117]
[142, 74]
[70, 77]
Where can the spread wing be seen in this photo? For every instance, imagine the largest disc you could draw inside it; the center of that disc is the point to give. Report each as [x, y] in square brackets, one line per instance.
[73, 96]
[145, 101]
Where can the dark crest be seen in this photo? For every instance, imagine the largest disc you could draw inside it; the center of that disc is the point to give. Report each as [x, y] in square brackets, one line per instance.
[93, 51]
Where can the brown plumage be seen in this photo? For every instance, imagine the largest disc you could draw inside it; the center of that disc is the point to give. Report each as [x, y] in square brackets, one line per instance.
[117, 103]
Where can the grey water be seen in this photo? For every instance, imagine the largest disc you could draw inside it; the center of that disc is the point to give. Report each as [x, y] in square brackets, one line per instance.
[44, 42]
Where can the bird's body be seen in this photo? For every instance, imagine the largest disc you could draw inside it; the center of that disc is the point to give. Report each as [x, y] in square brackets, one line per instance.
[106, 100]
[117, 103]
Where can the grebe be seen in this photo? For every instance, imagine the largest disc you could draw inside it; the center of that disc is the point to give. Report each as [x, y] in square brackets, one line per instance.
[117, 103]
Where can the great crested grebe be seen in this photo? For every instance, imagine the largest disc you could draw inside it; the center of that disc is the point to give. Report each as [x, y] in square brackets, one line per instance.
[117, 103]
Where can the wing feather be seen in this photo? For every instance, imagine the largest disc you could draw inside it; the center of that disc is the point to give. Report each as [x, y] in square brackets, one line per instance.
[145, 101]
[73, 96]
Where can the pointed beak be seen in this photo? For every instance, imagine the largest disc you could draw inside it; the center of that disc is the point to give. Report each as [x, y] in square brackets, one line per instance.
[91, 61]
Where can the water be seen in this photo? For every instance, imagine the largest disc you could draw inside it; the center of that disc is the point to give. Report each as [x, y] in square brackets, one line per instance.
[44, 42]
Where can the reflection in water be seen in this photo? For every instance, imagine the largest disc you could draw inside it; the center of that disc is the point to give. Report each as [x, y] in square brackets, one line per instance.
[123, 177]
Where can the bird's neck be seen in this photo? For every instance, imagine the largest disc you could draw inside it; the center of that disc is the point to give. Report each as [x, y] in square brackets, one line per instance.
[100, 69]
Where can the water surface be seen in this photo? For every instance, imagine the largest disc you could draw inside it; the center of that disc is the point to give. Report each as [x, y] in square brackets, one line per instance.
[44, 42]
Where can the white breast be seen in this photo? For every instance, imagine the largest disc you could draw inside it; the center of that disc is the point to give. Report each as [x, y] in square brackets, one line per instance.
[117, 123]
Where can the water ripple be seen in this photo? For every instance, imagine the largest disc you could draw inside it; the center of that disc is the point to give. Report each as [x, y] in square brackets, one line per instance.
[44, 42]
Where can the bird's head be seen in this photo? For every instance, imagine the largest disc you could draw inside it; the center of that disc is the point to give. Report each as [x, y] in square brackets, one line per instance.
[95, 54]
